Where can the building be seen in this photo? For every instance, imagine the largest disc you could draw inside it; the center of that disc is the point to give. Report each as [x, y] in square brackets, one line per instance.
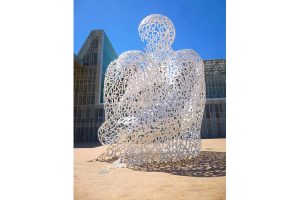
[214, 119]
[89, 71]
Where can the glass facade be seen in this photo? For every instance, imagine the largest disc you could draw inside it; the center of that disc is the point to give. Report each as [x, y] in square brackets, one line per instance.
[214, 118]
[109, 54]
[89, 69]
[90, 58]
[215, 78]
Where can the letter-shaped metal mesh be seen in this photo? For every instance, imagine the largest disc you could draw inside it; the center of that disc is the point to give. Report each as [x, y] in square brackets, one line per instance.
[154, 100]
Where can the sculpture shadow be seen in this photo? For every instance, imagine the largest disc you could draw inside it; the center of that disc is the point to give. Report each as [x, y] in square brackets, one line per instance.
[207, 164]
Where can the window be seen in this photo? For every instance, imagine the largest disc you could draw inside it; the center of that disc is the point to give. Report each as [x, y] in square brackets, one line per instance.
[95, 59]
[209, 130]
[84, 100]
[206, 109]
[221, 108]
[92, 99]
[211, 108]
[207, 115]
[83, 113]
[87, 99]
[216, 108]
[87, 112]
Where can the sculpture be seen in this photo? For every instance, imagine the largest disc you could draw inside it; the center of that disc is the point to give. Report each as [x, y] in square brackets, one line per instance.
[154, 100]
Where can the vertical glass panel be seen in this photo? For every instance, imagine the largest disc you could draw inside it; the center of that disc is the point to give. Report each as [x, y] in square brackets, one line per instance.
[216, 108]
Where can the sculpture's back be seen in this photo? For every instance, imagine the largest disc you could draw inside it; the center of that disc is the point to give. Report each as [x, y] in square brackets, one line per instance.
[154, 100]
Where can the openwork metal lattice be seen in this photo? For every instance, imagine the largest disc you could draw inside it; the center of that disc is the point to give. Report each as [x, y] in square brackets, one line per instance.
[154, 100]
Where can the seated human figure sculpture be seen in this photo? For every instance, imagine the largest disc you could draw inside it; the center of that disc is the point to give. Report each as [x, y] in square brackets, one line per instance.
[154, 100]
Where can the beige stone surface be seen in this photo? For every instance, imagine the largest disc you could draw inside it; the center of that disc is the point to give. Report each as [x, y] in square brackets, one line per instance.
[203, 178]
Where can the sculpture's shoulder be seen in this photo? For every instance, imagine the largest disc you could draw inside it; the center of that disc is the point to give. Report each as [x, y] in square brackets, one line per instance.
[134, 60]
[127, 59]
[187, 55]
[132, 57]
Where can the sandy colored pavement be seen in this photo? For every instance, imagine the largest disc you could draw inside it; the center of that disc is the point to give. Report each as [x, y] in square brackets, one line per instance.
[203, 178]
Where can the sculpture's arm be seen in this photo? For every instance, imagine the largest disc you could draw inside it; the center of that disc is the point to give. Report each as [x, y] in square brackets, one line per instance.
[120, 76]
[185, 77]
[119, 92]
[111, 88]
[186, 74]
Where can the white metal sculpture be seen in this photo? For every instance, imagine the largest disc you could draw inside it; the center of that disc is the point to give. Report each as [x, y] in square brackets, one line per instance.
[154, 100]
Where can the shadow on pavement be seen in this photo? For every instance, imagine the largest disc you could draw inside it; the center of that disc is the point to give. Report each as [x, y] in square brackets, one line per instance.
[208, 164]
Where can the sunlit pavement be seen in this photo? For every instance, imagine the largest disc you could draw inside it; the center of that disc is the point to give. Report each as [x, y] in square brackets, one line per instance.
[202, 178]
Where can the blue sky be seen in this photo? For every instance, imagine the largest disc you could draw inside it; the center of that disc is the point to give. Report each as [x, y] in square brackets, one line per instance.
[200, 24]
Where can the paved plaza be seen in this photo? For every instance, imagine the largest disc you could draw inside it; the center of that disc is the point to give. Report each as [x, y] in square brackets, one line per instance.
[201, 178]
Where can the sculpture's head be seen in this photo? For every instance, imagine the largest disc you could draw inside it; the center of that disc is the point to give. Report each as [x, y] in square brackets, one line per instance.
[158, 31]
